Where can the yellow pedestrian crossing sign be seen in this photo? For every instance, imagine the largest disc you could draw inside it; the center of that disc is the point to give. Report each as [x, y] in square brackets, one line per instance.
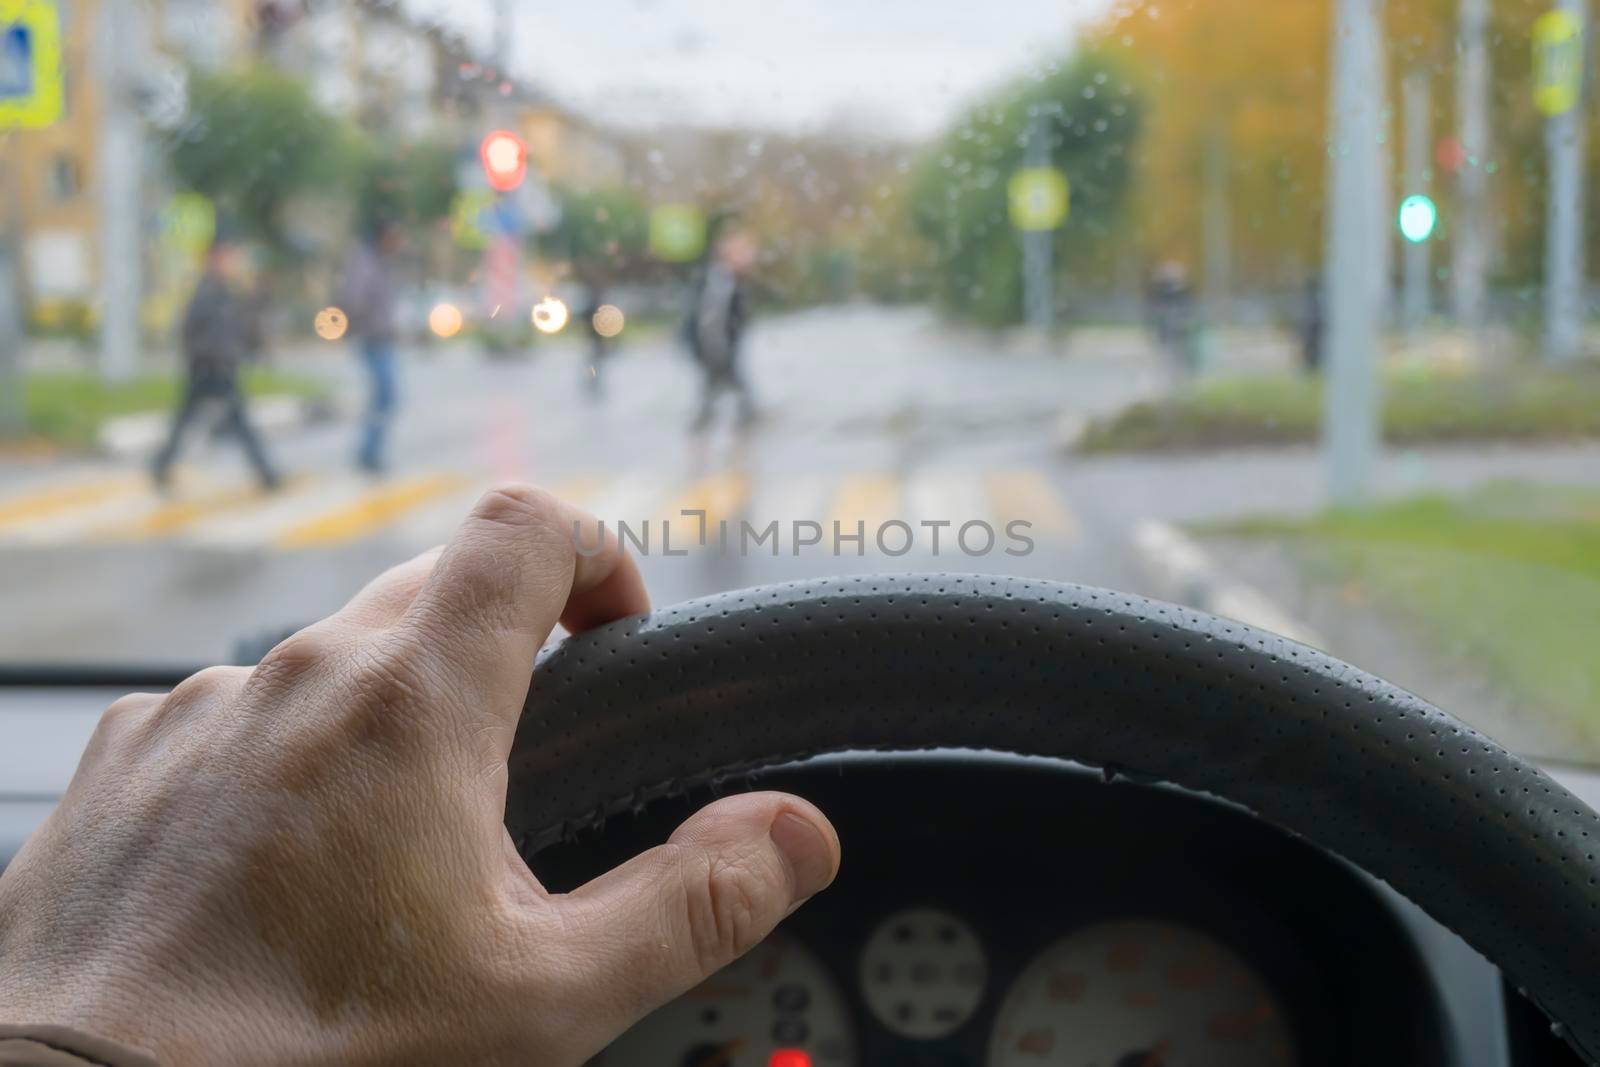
[30, 63]
[1557, 62]
[677, 232]
[466, 218]
[1040, 198]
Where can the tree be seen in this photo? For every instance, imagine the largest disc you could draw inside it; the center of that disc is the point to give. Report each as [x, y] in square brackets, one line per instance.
[411, 183]
[254, 139]
[1091, 114]
[601, 232]
[1252, 78]
[1246, 80]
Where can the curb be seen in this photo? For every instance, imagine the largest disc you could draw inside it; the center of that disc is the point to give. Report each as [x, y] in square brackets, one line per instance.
[1186, 573]
[129, 436]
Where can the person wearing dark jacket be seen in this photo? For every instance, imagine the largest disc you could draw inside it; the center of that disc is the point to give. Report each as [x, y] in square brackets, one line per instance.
[218, 336]
[714, 328]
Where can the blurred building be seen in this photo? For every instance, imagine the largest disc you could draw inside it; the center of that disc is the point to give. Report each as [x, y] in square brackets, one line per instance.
[47, 178]
[566, 147]
[368, 60]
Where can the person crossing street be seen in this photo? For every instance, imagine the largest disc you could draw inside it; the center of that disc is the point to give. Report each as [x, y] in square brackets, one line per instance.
[217, 339]
[368, 298]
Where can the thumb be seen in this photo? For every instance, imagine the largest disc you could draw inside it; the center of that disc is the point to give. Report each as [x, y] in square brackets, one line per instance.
[658, 925]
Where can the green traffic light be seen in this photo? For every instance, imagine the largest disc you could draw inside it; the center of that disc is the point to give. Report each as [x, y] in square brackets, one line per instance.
[1418, 216]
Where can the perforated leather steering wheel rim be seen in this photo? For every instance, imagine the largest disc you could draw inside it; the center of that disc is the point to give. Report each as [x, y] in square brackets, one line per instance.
[1482, 840]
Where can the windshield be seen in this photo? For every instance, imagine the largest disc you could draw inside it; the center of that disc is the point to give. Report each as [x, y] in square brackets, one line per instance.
[1274, 309]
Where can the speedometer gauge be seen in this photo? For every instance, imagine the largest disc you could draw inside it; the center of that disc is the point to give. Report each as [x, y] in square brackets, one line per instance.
[775, 1007]
[1140, 993]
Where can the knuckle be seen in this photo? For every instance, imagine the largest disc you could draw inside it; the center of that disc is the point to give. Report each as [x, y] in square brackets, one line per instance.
[519, 504]
[386, 687]
[725, 914]
[128, 706]
[208, 686]
[123, 714]
[297, 656]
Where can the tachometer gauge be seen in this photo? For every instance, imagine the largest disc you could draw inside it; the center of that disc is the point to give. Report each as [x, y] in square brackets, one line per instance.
[922, 973]
[1140, 993]
[775, 1007]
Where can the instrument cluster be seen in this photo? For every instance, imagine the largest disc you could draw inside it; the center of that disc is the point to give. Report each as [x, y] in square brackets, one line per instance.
[1001, 913]
[1128, 993]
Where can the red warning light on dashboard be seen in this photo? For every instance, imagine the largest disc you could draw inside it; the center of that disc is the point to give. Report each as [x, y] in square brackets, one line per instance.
[505, 160]
[789, 1057]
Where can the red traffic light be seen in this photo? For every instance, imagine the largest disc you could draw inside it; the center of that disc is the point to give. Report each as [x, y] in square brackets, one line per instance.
[505, 159]
[1450, 153]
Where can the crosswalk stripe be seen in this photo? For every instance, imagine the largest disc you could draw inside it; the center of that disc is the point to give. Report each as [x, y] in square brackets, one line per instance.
[946, 495]
[631, 498]
[720, 496]
[259, 525]
[317, 510]
[867, 498]
[787, 498]
[46, 503]
[368, 513]
[173, 517]
[1027, 494]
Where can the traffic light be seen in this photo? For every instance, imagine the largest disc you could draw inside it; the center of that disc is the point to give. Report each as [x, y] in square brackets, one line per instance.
[505, 160]
[1418, 216]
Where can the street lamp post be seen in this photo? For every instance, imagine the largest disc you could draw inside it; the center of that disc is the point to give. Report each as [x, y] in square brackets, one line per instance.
[1216, 228]
[1038, 284]
[1470, 237]
[1558, 40]
[120, 163]
[1350, 414]
[1417, 252]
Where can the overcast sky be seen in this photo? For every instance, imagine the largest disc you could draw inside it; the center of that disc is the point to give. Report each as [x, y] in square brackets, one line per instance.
[903, 65]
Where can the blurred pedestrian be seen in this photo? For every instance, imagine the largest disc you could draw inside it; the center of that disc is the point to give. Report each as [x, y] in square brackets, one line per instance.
[599, 342]
[1174, 316]
[718, 315]
[220, 333]
[1312, 324]
[367, 296]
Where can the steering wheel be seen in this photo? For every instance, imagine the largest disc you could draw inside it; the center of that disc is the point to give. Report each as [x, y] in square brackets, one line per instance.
[1483, 841]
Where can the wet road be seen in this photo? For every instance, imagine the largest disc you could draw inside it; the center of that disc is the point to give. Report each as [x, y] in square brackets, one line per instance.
[868, 417]
[871, 418]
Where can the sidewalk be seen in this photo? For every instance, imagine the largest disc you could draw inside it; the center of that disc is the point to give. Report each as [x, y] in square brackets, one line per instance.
[1292, 481]
[1264, 581]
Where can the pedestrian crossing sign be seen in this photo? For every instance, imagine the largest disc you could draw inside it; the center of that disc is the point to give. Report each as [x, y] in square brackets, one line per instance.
[677, 232]
[468, 212]
[1039, 197]
[188, 222]
[30, 63]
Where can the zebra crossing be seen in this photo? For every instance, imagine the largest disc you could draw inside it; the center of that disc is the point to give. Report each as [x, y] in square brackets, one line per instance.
[320, 511]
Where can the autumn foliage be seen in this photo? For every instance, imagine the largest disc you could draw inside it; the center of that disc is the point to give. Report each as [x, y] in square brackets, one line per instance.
[1246, 82]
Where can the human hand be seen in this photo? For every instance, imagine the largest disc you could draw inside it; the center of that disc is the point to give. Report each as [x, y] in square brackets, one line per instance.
[305, 861]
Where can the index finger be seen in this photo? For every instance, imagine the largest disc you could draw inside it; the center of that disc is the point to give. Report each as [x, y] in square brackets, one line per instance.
[511, 572]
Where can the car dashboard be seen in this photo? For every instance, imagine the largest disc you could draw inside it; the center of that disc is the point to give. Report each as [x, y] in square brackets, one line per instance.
[1003, 910]
[1011, 912]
